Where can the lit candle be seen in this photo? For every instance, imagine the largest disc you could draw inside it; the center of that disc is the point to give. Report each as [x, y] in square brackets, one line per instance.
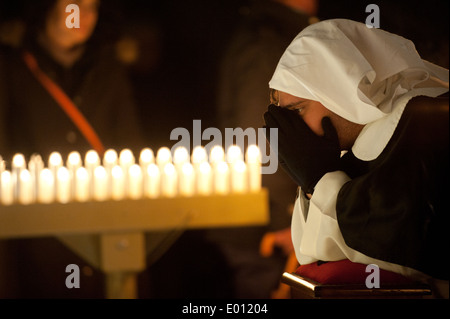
[46, 186]
[126, 160]
[169, 181]
[221, 178]
[204, 179]
[199, 156]
[2, 169]
[100, 184]
[7, 189]
[110, 159]
[35, 165]
[163, 157]
[82, 193]
[135, 189]
[253, 160]
[152, 186]
[146, 158]
[63, 185]
[26, 187]
[73, 163]
[55, 162]
[18, 164]
[91, 161]
[180, 157]
[234, 154]
[239, 177]
[117, 183]
[187, 180]
[216, 155]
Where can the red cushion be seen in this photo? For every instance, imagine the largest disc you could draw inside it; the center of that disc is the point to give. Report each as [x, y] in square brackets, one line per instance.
[346, 272]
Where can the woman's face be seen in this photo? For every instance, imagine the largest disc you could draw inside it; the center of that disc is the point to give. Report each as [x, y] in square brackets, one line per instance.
[65, 37]
[312, 112]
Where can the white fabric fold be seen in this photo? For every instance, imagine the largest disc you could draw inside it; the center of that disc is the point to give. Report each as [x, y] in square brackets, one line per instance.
[362, 74]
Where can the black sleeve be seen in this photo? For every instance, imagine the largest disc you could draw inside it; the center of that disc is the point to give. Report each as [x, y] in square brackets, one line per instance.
[398, 210]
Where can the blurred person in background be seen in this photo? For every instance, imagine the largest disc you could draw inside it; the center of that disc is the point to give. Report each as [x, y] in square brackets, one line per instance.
[84, 64]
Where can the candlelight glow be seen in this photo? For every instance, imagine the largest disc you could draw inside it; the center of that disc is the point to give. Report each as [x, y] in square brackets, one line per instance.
[217, 154]
[110, 158]
[74, 159]
[55, 159]
[234, 154]
[118, 177]
[18, 161]
[92, 158]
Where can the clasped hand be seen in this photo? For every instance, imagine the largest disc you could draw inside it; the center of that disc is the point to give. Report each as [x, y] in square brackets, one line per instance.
[304, 155]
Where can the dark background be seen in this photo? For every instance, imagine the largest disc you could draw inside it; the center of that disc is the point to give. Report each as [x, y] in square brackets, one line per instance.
[180, 45]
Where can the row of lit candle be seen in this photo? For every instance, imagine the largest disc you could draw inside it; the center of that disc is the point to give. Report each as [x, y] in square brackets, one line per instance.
[119, 176]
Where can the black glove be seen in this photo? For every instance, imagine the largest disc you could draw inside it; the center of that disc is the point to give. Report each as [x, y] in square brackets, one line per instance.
[305, 156]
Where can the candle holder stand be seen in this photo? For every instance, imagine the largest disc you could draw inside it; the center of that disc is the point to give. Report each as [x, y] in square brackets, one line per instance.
[111, 235]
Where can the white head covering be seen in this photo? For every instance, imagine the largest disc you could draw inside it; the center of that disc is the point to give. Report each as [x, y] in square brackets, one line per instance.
[364, 75]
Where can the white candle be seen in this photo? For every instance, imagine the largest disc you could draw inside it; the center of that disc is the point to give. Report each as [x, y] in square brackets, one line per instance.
[63, 185]
[204, 179]
[221, 178]
[73, 163]
[110, 159]
[199, 156]
[135, 189]
[187, 180]
[180, 157]
[18, 164]
[117, 183]
[26, 187]
[253, 160]
[234, 154]
[169, 181]
[146, 157]
[91, 161]
[82, 193]
[2, 169]
[55, 161]
[239, 177]
[100, 184]
[35, 165]
[152, 186]
[216, 155]
[46, 187]
[7, 189]
[126, 160]
[163, 157]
